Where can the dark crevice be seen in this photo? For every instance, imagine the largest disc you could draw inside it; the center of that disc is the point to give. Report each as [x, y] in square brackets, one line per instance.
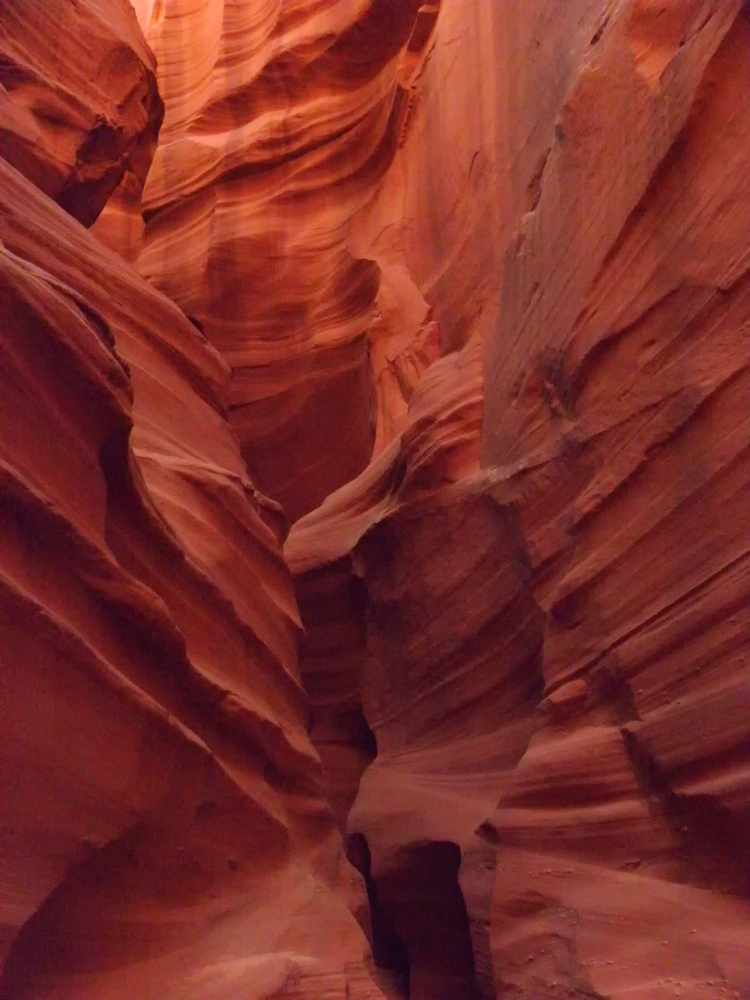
[363, 738]
[596, 37]
[419, 900]
[534, 189]
[388, 949]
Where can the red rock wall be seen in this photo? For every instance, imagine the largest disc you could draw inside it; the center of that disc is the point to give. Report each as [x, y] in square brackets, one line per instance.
[626, 418]
[164, 827]
[280, 121]
[465, 288]
[159, 789]
[79, 105]
[598, 558]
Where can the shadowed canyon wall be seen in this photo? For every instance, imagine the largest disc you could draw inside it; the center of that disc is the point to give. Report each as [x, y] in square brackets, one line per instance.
[550, 651]
[460, 291]
[164, 826]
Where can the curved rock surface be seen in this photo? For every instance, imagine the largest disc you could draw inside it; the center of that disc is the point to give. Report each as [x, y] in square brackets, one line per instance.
[79, 105]
[164, 826]
[466, 287]
[439, 444]
[562, 636]
[280, 121]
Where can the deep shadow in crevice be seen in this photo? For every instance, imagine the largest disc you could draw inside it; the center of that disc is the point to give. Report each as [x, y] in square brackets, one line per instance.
[387, 947]
[422, 922]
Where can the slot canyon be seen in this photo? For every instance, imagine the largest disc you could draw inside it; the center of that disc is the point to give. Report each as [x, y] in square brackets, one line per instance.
[374, 499]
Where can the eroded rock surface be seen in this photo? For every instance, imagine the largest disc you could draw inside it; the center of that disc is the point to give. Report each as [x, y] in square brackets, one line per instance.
[79, 106]
[608, 517]
[165, 830]
[465, 287]
[281, 119]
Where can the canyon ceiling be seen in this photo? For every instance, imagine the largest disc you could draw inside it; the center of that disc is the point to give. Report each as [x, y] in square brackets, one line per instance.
[374, 499]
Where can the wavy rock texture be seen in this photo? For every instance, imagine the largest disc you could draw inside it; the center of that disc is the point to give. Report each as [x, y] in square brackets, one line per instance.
[625, 418]
[164, 828]
[281, 119]
[474, 284]
[563, 634]
[441, 659]
[440, 443]
[79, 106]
[471, 159]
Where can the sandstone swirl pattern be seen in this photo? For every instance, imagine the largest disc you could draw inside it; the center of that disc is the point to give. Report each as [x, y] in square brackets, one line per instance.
[465, 288]
[552, 652]
[164, 828]
[281, 118]
[79, 106]
[164, 824]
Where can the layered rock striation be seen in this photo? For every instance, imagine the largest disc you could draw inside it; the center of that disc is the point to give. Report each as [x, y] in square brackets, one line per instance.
[280, 121]
[79, 105]
[165, 829]
[464, 288]
[562, 634]
[164, 823]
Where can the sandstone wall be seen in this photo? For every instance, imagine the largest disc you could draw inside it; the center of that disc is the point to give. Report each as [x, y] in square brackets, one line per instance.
[463, 286]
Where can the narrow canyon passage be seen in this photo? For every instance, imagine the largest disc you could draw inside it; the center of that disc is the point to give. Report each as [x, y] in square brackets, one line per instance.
[374, 477]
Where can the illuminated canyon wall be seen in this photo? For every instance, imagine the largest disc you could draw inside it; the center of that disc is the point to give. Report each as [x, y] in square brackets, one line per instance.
[375, 556]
